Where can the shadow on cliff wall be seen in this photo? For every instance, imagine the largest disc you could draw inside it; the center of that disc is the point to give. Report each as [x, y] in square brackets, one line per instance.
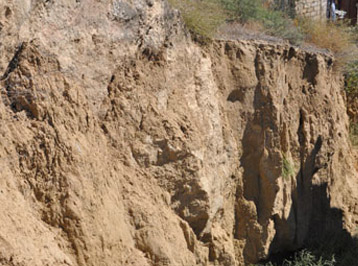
[311, 223]
[326, 236]
[317, 226]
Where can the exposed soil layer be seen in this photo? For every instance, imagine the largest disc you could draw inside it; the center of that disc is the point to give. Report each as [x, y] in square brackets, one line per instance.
[122, 142]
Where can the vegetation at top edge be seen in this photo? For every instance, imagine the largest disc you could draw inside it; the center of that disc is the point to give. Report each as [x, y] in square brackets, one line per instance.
[201, 17]
[274, 21]
[338, 37]
[204, 17]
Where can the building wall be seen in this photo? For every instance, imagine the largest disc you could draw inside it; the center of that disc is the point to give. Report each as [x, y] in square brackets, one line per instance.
[311, 8]
[316, 9]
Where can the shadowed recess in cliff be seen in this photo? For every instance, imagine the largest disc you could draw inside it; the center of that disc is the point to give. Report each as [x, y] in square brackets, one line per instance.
[311, 69]
[312, 223]
[292, 232]
[261, 169]
[327, 237]
[239, 94]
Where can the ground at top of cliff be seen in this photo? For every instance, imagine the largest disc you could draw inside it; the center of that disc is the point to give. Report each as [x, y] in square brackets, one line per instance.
[264, 20]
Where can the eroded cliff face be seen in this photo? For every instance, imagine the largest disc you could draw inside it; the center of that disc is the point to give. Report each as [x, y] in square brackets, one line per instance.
[124, 143]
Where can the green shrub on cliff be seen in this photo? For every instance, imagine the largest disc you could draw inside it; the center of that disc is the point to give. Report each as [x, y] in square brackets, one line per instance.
[202, 18]
[274, 22]
[353, 133]
[351, 78]
[304, 258]
[288, 168]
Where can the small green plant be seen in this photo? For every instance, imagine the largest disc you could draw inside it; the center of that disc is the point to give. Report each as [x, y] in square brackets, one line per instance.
[278, 24]
[305, 258]
[353, 133]
[288, 168]
[351, 78]
[333, 249]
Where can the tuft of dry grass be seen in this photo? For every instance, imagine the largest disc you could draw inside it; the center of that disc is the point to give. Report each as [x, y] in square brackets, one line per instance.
[336, 37]
[332, 36]
[202, 17]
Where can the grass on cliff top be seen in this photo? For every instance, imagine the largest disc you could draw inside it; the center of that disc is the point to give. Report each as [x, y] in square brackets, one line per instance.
[204, 18]
[335, 37]
[339, 38]
[273, 22]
